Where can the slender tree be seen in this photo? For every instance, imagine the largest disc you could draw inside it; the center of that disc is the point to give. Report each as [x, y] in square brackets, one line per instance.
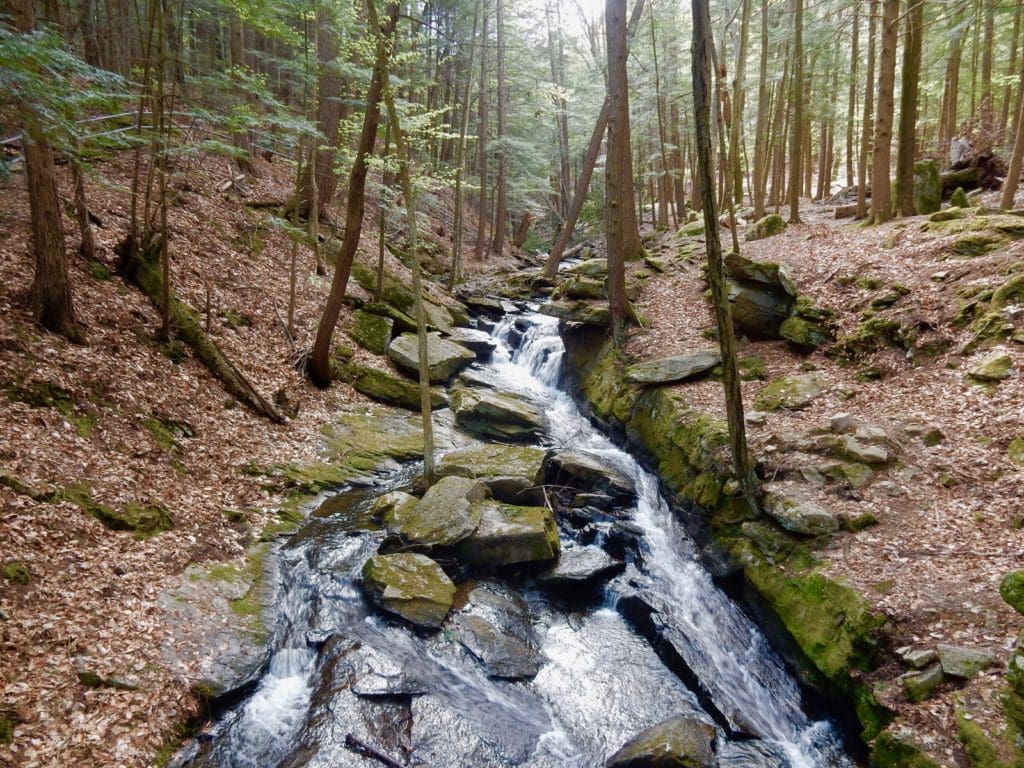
[501, 195]
[881, 194]
[867, 121]
[797, 99]
[760, 170]
[907, 144]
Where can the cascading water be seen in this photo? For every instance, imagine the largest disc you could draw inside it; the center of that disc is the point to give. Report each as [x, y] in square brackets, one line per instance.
[340, 670]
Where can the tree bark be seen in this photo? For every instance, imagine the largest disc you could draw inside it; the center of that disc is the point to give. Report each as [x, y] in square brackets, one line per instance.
[1016, 157]
[501, 201]
[760, 169]
[908, 109]
[716, 272]
[881, 193]
[319, 368]
[867, 121]
[460, 162]
[623, 238]
[481, 145]
[739, 91]
[851, 108]
[797, 88]
[1011, 72]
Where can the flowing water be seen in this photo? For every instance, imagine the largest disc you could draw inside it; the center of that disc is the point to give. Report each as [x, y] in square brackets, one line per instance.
[340, 670]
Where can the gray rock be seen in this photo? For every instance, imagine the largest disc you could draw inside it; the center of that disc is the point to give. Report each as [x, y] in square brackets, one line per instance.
[479, 343]
[443, 517]
[444, 358]
[513, 473]
[495, 628]
[388, 388]
[375, 674]
[755, 418]
[995, 366]
[790, 392]
[509, 534]
[920, 685]
[409, 585]
[669, 369]
[485, 305]
[680, 742]
[371, 331]
[842, 422]
[918, 658]
[586, 471]
[583, 312]
[959, 661]
[581, 566]
[800, 516]
[392, 507]
[502, 415]
[867, 453]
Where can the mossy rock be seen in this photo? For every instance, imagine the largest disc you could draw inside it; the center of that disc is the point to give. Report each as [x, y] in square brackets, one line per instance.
[500, 415]
[388, 388]
[680, 742]
[973, 244]
[45, 394]
[578, 287]
[17, 573]
[370, 331]
[871, 335]
[1011, 589]
[769, 226]
[509, 534]
[143, 519]
[403, 323]
[949, 214]
[789, 392]
[1016, 451]
[693, 229]
[362, 439]
[513, 473]
[893, 751]
[591, 268]
[994, 367]
[411, 586]
[804, 334]
[444, 358]
[959, 198]
[752, 368]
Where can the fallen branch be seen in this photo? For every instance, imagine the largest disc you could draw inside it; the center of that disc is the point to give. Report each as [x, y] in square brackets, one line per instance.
[143, 271]
[361, 748]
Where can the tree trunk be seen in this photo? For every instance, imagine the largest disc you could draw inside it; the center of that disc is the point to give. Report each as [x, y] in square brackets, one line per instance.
[760, 169]
[460, 161]
[240, 139]
[881, 195]
[556, 54]
[867, 121]
[739, 91]
[851, 108]
[621, 232]
[716, 273]
[88, 246]
[797, 89]
[908, 109]
[481, 145]
[677, 165]
[951, 84]
[501, 201]
[986, 69]
[1011, 72]
[319, 368]
[1013, 173]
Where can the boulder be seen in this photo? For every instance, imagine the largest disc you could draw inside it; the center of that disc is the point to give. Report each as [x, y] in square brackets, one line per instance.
[581, 287]
[444, 358]
[393, 507]
[995, 366]
[513, 473]
[920, 685]
[502, 415]
[393, 390]
[411, 586]
[804, 334]
[959, 199]
[581, 567]
[958, 661]
[1015, 452]
[770, 225]
[768, 275]
[590, 267]
[445, 515]
[680, 742]
[370, 331]
[927, 187]
[587, 471]
[918, 658]
[509, 534]
[1011, 589]
[693, 229]
[789, 392]
[758, 312]
[479, 343]
[377, 675]
[495, 627]
[579, 312]
[668, 369]
[800, 516]
[402, 322]
[485, 305]
[856, 449]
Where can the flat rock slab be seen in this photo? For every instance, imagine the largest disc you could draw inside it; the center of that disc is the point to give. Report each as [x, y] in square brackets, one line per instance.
[394, 390]
[994, 367]
[495, 628]
[800, 516]
[920, 685]
[479, 343]
[588, 472]
[669, 369]
[579, 312]
[377, 675]
[513, 473]
[581, 566]
[958, 661]
[443, 517]
[502, 415]
[680, 742]
[789, 392]
[444, 358]
[509, 534]
[411, 586]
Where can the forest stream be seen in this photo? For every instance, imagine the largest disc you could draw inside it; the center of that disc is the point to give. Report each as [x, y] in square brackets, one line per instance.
[579, 681]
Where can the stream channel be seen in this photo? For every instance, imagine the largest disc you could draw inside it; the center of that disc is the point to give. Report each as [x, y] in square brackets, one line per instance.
[596, 672]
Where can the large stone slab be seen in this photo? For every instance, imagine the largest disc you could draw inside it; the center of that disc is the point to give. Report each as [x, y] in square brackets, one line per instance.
[789, 392]
[581, 567]
[680, 742]
[371, 331]
[443, 517]
[800, 516]
[509, 534]
[502, 415]
[959, 661]
[411, 586]
[444, 358]
[479, 343]
[678, 368]
[495, 627]
[513, 473]
[579, 311]
[588, 472]
[394, 390]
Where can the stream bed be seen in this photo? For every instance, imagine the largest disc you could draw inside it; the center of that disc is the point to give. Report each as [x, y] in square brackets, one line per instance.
[577, 678]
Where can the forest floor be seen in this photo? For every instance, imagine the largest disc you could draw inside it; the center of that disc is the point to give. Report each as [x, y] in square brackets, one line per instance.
[119, 419]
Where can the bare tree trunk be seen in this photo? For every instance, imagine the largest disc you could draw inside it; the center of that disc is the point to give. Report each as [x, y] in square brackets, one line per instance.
[738, 99]
[761, 129]
[851, 108]
[88, 246]
[986, 68]
[797, 89]
[1011, 72]
[1013, 173]
[677, 166]
[867, 125]
[951, 87]
[481, 145]
[881, 194]
[501, 202]
[240, 139]
[716, 272]
[556, 54]
[908, 109]
[319, 368]
[460, 161]
[621, 232]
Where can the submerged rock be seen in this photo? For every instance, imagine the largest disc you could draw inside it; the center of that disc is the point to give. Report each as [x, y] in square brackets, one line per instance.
[680, 742]
[669, 369]
[513, 473]
[789, 392]
[411, 586]
[509, 534]
[496, 629]
[503, 415]
[444, 358]
[443, 517]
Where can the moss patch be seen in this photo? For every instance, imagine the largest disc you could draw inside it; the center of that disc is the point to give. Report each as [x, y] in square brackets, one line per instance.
[45, 394]
[17, 573]
[891, 751]
[143, 519]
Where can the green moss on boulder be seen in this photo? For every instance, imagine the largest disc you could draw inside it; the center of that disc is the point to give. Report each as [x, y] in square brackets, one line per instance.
[509, 534]
[388, 388]
[789, 392]
[973, 244]
[371, 332]
[411, 586]
[927, 187]
[770, 225]
[1011, 589]
[17, 573]
[894, 751]
[959, 198]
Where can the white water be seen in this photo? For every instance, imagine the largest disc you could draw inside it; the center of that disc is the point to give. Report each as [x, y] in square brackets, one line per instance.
[744, 677]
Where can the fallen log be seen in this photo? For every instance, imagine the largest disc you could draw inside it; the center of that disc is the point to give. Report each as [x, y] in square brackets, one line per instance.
[142, 269]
